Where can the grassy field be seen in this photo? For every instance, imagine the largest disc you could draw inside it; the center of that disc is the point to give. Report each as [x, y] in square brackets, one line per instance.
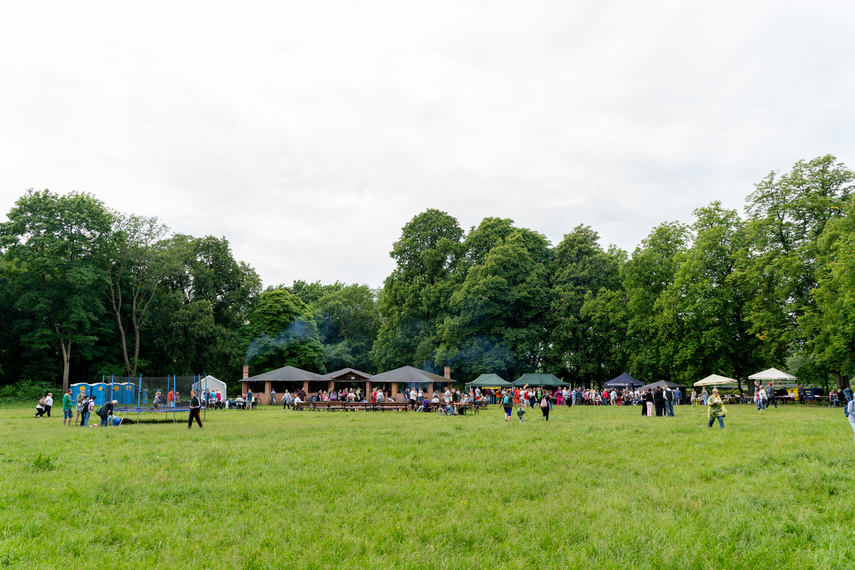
[592, 488]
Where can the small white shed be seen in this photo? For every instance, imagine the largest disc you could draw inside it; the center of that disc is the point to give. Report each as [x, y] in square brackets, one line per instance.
[212, 384]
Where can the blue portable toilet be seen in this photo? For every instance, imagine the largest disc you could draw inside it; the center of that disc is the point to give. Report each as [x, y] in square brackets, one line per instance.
[99, 392]
[79, 388]
[127, 394]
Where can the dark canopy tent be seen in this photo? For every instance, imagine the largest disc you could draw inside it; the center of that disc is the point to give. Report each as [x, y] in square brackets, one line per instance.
[488, 381]
[545, 380]
[662, 384]
[623, 381]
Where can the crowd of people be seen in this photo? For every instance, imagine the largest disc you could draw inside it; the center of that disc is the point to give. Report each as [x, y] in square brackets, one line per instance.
[659, 401]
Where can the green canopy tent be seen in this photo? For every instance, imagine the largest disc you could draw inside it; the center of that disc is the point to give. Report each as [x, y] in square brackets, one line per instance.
[544, 380]
[488, 381]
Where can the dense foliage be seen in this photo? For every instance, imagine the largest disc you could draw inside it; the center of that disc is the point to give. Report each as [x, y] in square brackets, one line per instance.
[86, 291]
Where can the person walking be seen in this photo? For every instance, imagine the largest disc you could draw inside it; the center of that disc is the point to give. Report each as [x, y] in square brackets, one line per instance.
[194, 410]
[770, 396]
[715, 409]
[67, 407]
[508, 404]
[48, 403]
[544, 406]
[760, 394]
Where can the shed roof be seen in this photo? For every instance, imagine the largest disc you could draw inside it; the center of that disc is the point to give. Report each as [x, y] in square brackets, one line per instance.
[337, 375]
[409, 374]
[286, 374]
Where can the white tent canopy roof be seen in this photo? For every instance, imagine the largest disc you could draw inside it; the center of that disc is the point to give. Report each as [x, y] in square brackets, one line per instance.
[771, 374]
[716, 380]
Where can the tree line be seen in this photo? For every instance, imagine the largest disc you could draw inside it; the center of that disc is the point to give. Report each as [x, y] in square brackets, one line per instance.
[87, 291]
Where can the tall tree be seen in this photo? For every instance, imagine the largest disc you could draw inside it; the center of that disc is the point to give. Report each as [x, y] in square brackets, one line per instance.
[830, 324]
[347, 319]
[702, 324]
[645, 277]
[787, 214]
[58, 242]
[139, 261]
[416, 296]
[283, 334]
[206, 302]
[496, 320]
[580, 268]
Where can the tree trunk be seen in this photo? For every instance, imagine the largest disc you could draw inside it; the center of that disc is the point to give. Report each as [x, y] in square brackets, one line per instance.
[842, 380]
[66, 361]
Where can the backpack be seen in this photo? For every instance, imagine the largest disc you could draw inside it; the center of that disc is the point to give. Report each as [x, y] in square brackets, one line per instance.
[544, 402]
[506, 400]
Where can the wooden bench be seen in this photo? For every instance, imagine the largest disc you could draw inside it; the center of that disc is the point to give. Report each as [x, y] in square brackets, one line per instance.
[302, 406]
[382, 406]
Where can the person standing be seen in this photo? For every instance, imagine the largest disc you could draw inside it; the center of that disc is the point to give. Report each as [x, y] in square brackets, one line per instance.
[194, 410]
[716, 409]
[248, 399]
[48, 403]
[86, 409]
[67, 414]
[669, 402]
[170, 399]
[678, 396]
[801, 393]
[847, 392]
[648, 403]
[79, 407]
[760, 394]
[659, 402]
[272, 401]
[704, 396]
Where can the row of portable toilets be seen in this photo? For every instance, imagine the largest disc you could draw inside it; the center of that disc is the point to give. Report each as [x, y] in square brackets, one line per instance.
[125, 393]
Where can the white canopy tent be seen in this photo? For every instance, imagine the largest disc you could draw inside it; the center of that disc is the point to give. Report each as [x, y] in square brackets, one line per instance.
[716, 380]
[773, 375]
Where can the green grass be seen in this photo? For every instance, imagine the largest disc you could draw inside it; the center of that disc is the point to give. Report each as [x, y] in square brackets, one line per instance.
[593, 488]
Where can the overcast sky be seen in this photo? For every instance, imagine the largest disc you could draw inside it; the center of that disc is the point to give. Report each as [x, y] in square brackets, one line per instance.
[308, 133]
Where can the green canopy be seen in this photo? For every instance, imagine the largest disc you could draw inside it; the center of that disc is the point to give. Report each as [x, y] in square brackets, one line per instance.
[545, 380]
[488, 381]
